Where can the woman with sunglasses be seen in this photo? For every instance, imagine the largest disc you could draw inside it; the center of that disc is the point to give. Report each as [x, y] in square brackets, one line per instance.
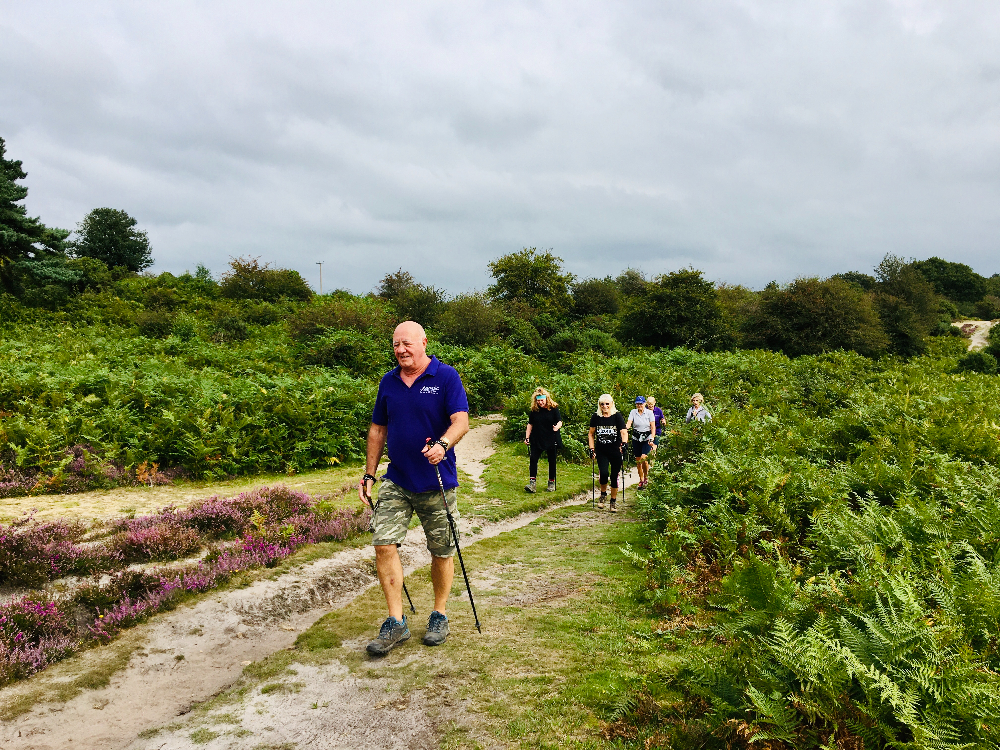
[606, 438]
[542, 436]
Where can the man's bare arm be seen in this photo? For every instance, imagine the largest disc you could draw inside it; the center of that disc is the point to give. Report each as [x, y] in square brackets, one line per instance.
[455, 432]
[373, 452]
[459, 427]
[377, 434]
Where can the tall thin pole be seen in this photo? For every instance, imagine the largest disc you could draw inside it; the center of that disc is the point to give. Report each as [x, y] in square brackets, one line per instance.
[320, 264]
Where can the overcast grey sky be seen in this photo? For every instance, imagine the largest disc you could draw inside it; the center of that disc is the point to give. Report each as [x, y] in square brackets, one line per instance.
[752, 140]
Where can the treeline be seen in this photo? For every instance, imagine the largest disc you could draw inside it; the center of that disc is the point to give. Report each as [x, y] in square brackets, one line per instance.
[536, 306]
[533, 304]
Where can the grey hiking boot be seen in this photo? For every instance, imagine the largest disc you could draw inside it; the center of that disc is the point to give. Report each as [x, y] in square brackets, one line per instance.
[600, 501]
[393, 631]
[530, 486]
[552, 486]
[437, 629]
[613, 508]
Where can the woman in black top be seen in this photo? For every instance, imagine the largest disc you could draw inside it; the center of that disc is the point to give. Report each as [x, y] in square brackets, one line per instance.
[542, 435]
[606, 438]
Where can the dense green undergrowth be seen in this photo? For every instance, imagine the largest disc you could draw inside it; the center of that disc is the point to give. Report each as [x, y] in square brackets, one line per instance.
[94, 405]
[841, 520]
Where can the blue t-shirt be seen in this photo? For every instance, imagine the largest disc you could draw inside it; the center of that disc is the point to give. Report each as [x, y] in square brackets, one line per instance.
[415, 413]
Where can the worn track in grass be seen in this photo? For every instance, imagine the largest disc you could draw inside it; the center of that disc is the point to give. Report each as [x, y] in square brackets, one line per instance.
[196, 651]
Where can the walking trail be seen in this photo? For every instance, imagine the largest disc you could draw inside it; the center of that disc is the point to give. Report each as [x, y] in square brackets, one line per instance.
[979, 337]
[194, 652]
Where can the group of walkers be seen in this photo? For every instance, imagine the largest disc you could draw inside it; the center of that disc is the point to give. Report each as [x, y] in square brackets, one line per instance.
[421, 412]
[608, 438]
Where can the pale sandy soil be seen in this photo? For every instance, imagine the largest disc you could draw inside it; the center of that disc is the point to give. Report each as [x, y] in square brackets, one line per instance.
[473, 450]
[100, 504]
[222, 633]
[980, 336]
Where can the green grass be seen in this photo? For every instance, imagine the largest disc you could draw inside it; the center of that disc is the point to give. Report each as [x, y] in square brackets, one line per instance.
[565, 647]
[203, 736]
[505, 476]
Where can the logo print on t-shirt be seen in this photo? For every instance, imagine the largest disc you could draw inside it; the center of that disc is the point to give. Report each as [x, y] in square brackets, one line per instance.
[430, 389]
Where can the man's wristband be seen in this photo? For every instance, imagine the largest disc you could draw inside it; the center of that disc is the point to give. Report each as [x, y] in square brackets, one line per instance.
[366, 477]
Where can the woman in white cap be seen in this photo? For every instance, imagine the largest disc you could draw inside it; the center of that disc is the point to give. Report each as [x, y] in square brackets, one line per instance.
[642, 423]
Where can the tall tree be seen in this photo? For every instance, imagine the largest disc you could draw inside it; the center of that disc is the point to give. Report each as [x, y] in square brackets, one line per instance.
[906, 303]
[21, 236]
[956, 281]
[677, 309]
[596, 297]
[532, 278]
[810, 316]
[412, 301]
[109, 234]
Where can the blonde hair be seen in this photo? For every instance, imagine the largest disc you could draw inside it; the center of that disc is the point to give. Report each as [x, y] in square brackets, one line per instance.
[549, 402]
[699, 397]
[607, 396]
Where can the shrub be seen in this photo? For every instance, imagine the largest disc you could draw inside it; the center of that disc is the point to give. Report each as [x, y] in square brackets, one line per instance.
[520, 334]
[248, 279]
[356, 352]
[679, 309]
[368, 315]
[11, 309]
[596, 297]
[185, 327]
[988, 308]
[262, 314]
[32, 554]
[571, 340]
[154, 324]
[412, 301]
[978, 362]
[168, 540]
[159, 298]
[469, 320]
[810, 316]
[228, 326]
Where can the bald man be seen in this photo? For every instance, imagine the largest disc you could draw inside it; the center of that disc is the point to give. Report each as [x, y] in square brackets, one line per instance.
[422, 398]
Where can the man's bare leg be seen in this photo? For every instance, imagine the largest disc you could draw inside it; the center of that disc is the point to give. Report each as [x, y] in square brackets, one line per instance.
[442, 574]
[390, 575]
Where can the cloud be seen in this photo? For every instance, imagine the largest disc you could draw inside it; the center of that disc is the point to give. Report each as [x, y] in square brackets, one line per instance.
[754, 140]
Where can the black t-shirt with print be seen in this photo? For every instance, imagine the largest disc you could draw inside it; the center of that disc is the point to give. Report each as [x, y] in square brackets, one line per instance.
[607, 432]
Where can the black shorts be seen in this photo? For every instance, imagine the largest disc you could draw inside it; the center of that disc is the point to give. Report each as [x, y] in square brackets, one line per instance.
[641, 449]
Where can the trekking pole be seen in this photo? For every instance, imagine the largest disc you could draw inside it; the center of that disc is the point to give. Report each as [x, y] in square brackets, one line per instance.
[593, 481]
[624, 468]
[458, 549]
[372, 506]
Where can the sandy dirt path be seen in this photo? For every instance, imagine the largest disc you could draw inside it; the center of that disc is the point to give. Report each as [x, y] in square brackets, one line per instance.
[980, 335]
[196, 651]
[473, 450]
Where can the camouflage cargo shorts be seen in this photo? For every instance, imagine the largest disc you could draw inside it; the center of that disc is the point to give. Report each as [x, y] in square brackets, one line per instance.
[395, 509]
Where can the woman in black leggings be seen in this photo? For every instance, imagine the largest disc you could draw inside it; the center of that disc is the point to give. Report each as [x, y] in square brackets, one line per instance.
[542, 435]
[606, 438]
